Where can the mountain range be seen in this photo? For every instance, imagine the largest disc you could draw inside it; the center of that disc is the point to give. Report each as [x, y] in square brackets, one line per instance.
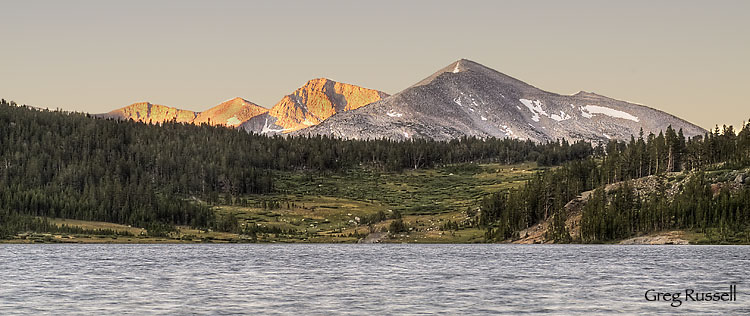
[462, 99]
[311, 104]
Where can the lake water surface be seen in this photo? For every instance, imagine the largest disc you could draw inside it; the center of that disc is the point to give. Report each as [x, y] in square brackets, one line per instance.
[367, 279]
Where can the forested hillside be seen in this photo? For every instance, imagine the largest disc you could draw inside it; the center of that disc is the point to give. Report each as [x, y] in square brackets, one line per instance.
[70, 165]
[56, 164]
[720, 207]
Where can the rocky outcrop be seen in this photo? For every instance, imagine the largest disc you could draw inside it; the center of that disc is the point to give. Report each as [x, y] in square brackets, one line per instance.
[373, 238]
[537, 234]
[665, 238]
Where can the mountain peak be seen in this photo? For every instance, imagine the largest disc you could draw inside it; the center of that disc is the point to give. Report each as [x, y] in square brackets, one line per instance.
[464, 65]
[236, 99]
[317, 81]
[466, 98]
[316, 101]
[457, 66]
[317, 84]
[586, 93]
[232, 112]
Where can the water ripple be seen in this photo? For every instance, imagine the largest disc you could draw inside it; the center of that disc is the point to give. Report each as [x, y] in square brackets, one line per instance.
[364, 279]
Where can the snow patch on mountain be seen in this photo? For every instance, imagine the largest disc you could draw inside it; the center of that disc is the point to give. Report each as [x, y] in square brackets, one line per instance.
[585, 113]
[508, 132]
[394, 114]
[535, 107]
[267, 129]
[232, 121]
[563, 116]
[595, 109]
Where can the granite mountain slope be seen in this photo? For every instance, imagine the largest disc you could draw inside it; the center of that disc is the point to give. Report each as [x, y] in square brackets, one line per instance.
[469, 99]
[311, 104]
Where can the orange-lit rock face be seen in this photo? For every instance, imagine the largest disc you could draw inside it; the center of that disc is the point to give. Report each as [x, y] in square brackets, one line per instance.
[309, 105]
[317, 100]
[231, 113]
[153, 113]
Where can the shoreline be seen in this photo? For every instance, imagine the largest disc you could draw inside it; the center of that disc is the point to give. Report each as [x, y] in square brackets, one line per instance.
[635, 241]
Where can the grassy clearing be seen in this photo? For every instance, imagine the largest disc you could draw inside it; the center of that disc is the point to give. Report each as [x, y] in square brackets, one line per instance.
[332, 207]
[416, 191]
[96, 225]
[139, 235]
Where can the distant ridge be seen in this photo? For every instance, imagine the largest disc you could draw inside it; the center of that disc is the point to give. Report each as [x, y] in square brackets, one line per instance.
[309, 105]
[151, 113]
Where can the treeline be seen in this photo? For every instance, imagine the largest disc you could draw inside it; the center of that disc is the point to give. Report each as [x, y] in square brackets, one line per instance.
[70, 165]
[505, 213]
[670, 151]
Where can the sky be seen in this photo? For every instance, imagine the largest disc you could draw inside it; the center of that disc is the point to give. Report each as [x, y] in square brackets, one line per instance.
[688, 58]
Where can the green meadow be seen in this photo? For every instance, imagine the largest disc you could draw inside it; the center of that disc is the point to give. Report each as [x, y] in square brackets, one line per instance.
[435, 206]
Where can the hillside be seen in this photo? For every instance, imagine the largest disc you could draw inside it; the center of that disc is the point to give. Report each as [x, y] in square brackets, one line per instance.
[175, 179]
[645, 187]
[721, 178]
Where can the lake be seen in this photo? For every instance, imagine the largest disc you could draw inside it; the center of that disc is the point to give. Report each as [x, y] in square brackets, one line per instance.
[381, 279]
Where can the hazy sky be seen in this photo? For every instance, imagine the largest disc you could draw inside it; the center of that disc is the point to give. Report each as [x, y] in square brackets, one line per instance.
[691, 59]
